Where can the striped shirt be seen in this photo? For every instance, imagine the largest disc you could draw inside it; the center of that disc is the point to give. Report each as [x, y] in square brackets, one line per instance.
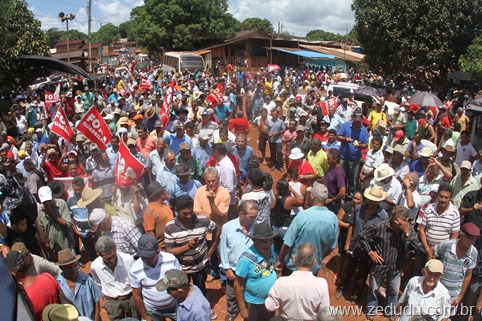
[390, 245]
[125, 235]
[435, 303]
[299, 296]
[439, 227]
[145, 278]
[455, 268]
[177, 235]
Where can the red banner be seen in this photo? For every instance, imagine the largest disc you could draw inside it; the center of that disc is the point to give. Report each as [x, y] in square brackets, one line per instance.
[166, 109]
[128, 170]
[93, 126]
[144, 84]
[333, 102]
[61, 125]
[216, 97]
[273, 68]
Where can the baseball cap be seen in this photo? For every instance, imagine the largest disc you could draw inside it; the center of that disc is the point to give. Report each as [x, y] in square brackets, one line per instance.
[205, 113]
[179, 125]
[357, 117]
[93, 146]
[204, 135]
[157, 124]
[466, 164]
[470, 229]
[96, 217]
[79, 138]
[147, 246]
[172, 279]
[44, 194]
[435, 266]
[184, 146]
[22, 154]
[399, 134]
[300, 128]
[318, 191]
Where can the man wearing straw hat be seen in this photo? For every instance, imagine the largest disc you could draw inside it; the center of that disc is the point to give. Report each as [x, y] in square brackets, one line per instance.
[385, 244]
[78, 287]
[384, 177]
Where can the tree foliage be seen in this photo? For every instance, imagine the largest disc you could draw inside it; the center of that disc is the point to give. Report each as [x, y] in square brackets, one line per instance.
[21, 35]
[107, 34]
[254, 23]
[471, 61]
[126, 29]
[321, 35]
[404, 34]
[55, 35]
[181, 25]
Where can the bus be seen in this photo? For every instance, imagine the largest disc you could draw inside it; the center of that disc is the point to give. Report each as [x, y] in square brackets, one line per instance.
[180, 61]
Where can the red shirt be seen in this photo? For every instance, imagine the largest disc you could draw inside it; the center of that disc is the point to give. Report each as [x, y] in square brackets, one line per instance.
[321, 137]
[240, 125]
[304, 168]
[52, 171]
[44, 291]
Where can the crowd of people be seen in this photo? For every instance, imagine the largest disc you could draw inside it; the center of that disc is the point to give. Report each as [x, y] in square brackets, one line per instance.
[394, 193]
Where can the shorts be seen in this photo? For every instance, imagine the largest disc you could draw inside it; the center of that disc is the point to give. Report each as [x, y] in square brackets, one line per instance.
[263, 139]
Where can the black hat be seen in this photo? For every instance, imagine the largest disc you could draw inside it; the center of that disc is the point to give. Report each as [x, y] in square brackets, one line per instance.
[182, 169]
[153, 189]
[57, 188]
[262, 231]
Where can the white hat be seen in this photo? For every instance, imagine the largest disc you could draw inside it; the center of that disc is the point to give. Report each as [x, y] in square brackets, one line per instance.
[109, 117]
[425, 152]
[296, 153]
[466, 164]
[45, 194]
[97, 216]
[383, 171]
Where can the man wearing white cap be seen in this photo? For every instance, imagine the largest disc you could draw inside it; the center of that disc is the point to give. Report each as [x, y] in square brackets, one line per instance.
[426, 295]
[463, 183]
[54, 216]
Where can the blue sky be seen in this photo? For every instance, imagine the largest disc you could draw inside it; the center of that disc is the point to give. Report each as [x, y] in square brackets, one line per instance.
[298, 17]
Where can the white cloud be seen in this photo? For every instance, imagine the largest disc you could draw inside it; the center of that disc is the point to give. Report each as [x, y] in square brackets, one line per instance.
[116, 11]
[298, 17]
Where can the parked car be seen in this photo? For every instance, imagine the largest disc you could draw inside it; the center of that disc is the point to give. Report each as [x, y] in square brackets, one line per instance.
[343, 90]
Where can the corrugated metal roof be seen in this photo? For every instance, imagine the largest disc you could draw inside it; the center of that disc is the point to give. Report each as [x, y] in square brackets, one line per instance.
[337, 52]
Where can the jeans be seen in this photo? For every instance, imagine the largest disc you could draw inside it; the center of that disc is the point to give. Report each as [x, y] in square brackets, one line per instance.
[199, 280]
[393, 285]
[352, 170]
[231, 304]
[276, 155]
[158, 315]
[258, 312]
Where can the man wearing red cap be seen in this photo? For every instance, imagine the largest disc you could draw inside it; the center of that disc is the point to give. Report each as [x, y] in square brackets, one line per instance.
[397, 122]
[399, 139]
[460, 258]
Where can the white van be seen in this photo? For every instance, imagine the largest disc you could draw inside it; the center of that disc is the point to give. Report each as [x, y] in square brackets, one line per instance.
[180, 61]
[143, 57]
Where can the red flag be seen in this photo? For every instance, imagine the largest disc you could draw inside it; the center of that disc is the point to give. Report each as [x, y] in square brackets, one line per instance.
[93, 126]
[273, 68]
[61, 125]
[144, 84]
[216, 97]
[128, 169]
[166, 109]
[333, 102]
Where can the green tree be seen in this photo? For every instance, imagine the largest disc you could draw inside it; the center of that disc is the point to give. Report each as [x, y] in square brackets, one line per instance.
[53, 36]
[21, 35]
[73, 34]
[254, 23]
[321, 35]
[181, 25]
[126, 29]
[107, 34]
[400, 35]
[471, 61]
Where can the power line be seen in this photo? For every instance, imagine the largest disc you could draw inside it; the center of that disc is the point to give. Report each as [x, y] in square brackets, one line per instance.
[75, 5]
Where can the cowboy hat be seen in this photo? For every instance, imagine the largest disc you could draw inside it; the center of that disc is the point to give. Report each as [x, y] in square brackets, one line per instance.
[383, 171]
[150, 112]
[182, 170]
[88, 196]
[375, 194]
[60, 312]
[425, 152]
[66, 257]
[262, 231]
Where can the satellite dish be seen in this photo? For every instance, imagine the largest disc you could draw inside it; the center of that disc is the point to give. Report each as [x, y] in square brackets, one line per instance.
[61, 15]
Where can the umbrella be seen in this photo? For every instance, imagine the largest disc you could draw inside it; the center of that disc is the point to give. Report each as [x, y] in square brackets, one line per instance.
[55, 64]
[424, 98]
[340, 75]
[367, 90]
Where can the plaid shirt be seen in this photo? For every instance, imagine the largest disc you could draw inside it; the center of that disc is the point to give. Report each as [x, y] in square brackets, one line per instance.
[125, 235]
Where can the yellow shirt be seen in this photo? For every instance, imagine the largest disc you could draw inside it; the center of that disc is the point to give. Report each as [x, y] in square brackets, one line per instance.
[375, 117]
[319, 162]
[268, 88]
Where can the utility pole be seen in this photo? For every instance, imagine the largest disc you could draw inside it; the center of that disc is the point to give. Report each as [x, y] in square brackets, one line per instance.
[89, 12]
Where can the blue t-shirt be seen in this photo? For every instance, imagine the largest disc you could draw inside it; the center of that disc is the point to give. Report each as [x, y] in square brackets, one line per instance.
[180, 189]
[316, 225]
[276, 126]
[223, 111]
[243, 157]
[347, 150]
[258, 273]
[174, 142]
